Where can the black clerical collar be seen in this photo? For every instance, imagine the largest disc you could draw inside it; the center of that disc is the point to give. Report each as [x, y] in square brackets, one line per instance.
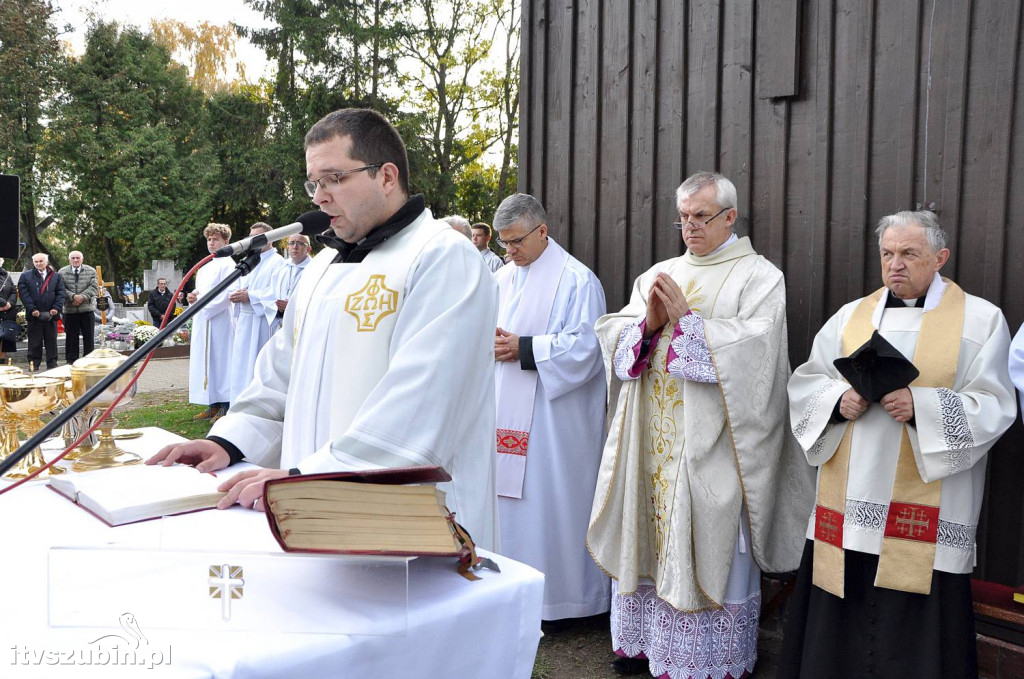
[894, 302]
[350, 253]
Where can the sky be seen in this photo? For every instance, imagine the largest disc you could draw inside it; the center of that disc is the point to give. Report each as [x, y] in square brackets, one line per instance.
[192, 12]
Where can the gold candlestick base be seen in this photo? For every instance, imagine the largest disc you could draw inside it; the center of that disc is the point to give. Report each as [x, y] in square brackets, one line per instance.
[30, 464]
[106, 453]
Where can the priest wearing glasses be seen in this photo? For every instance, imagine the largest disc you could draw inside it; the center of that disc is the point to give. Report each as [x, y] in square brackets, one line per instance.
[361, 375]
[701, 486]
[550, 384]
[900, 448]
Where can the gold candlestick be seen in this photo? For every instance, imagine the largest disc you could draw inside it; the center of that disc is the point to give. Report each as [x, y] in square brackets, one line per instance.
[86, 373]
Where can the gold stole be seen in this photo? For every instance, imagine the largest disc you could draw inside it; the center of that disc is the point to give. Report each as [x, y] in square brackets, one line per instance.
[911, 525]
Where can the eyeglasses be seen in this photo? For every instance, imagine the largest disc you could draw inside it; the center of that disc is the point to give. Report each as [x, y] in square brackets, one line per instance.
[299, 244]
[699, 223]
[516, 241]
[332, 179]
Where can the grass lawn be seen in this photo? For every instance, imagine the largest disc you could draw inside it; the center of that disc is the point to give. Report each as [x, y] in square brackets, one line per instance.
[168, 410]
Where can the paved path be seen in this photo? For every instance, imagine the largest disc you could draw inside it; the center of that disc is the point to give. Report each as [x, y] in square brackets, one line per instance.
[162, 374]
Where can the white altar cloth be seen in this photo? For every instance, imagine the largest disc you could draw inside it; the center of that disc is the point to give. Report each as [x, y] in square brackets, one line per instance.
[456, 628]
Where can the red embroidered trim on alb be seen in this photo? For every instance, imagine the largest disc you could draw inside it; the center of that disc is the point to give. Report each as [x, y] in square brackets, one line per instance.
[513, 442]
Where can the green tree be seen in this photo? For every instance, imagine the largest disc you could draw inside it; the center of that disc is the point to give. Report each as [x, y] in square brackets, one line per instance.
[131, 171]
[31, 61]
[448, 47]
[500, 90]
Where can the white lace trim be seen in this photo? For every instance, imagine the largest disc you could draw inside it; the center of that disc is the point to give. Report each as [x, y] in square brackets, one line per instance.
[956, 431]
[800, 429]
[693, 357]
[710, 643]
[625, 352]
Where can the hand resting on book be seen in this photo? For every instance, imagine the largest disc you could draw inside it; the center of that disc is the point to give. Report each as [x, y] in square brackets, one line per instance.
[204, 455]
[245, 488]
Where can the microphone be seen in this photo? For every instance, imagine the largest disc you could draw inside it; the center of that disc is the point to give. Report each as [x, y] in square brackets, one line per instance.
[311, 223]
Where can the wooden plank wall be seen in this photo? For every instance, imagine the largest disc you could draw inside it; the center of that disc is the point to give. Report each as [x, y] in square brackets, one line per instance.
[826, 114]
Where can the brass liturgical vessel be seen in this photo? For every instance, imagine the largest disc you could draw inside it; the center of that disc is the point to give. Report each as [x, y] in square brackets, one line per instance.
[85, 373]
[27, 397]
[9, 441]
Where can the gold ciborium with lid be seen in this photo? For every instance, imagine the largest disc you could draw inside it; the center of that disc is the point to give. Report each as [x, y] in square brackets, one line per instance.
[86, 372]
[28, 397]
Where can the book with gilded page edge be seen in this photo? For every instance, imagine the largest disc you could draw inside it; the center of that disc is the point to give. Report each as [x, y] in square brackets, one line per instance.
[387, 512]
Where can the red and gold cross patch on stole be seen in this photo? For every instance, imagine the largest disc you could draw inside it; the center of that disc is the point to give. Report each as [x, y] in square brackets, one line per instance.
[912, 522]
[513, 442]
[828, 526]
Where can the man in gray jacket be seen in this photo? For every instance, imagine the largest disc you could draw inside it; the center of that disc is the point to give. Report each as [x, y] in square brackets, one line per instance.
[80, 303]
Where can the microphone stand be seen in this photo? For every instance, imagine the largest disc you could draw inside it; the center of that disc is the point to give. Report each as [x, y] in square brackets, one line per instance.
[244, 267]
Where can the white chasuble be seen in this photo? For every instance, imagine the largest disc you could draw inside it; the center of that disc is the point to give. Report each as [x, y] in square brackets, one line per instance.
[525, 295]
[209, 366]
[375, 366]
[953, 428]
[253, 318]
[684, 458]
[547, 527]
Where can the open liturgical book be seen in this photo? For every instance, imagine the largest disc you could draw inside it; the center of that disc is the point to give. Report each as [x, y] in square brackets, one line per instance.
[382, 511]
[139, 492]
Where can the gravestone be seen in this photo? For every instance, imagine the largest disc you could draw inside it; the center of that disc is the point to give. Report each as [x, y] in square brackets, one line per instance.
[162, 268]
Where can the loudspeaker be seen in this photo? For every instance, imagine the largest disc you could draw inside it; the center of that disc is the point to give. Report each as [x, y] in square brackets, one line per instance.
[10, 215]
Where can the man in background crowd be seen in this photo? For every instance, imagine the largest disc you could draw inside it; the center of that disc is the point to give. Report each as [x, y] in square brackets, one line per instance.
[481, 239]
[255, 308]
[288, 276]
[209, 378]
[460, 224]
[42, 292]
[159, 300]
[81, 285]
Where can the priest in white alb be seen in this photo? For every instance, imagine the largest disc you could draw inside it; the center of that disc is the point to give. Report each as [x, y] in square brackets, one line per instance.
[550, 386]
[288, 276]
[388, 337]
[254, 306]
[884, 586]
[209, 365]
[701, 485]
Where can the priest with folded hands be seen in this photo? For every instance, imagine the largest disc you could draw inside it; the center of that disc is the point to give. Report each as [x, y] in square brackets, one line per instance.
[903, 395]
[550, 383]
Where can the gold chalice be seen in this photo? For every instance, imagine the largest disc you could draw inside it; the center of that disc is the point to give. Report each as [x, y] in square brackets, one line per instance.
[86, 372]
[28, 397]
[8, 421]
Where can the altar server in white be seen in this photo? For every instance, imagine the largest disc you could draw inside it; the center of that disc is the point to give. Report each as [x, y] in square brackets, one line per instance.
[389, 335]
[254, 306]
[884, 586]
[701, 484]
[209, 365]
[288, 276]
[550, 383]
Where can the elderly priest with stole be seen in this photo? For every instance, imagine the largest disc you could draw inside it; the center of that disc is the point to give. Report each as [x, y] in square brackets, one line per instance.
[550, 380]
[903, 395]
[701, 485]
[361, 375]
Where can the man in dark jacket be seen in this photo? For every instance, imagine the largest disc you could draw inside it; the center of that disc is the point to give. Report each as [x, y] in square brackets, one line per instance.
[42, 293]
[159, 300]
